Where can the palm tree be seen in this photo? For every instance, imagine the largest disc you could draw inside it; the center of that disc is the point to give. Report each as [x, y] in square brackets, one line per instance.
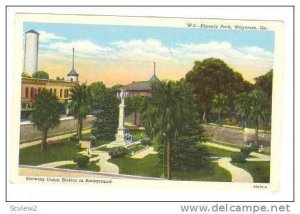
[45, 114]
[243, 107]
[220, 105]
[164, 115]
[259, 109]
[80, 104]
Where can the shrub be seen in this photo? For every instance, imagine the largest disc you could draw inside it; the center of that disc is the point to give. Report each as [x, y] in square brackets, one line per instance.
[117, 152]
[238, 158]
[246, 151]
[82, 161]
[254, 147]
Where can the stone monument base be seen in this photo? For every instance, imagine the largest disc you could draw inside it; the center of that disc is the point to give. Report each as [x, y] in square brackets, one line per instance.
[116, 143]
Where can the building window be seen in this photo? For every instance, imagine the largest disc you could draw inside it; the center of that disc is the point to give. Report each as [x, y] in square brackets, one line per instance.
[51, 90]
[39, 90]
[26, 91]
[55, 91]
[60, 93]
[66, 93]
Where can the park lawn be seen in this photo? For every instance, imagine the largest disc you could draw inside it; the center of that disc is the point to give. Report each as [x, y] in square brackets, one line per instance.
[136, 148]
[217, 152]
[149, 167]
[34, 156]
[260, 170]
[91, 167]
[137, 134]
[215, 173]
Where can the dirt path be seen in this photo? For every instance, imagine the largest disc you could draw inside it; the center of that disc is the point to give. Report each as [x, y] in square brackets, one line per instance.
[238, 175]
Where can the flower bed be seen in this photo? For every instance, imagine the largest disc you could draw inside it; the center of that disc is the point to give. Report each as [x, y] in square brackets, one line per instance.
[54, 142]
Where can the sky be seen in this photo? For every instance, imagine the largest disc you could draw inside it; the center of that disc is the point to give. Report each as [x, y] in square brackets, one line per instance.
[121, 54]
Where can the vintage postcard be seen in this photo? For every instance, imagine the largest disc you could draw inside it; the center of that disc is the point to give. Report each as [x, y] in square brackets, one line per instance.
[147, 101]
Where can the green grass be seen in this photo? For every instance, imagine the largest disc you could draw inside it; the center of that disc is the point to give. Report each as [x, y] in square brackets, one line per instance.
[260, 170]
[217, 152]
[34, 156]
[136, 134]
[149, 167]
[56, 135]
[136, 148]
[215, 173]
[91, 167]
[228, 144]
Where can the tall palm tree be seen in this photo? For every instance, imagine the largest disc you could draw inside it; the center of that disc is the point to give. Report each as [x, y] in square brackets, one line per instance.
[45, 114]
[164, 114]
[259, 109]
[80, 105]
[243, 107]
[220, 105]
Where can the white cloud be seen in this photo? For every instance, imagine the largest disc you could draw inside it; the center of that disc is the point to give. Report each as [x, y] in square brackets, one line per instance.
[83, 48]
[46, 36]
[148, 46]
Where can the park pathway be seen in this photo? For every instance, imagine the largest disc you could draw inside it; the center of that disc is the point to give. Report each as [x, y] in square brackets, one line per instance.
[257, 156]
[59, 137]
[237, 174]
[105, 166]
[101, 158]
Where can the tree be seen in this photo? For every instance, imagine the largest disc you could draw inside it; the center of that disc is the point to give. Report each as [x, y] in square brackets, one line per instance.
[106, 124]
[264, 83]
[97, 90]
[211, 77]
[168, 115]
[133, 104]
[40, 75]
[259, 109]
[220, 105]
[80, 104]
[45, 115]
[243, 106]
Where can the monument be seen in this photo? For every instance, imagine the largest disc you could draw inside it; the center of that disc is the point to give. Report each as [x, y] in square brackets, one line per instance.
[120, 136]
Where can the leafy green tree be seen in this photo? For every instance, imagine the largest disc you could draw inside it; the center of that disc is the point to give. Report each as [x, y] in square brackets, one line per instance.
[80, 104]
[264, 83]
[133, 105]
[106, 124]
[45, 115]
[259, 109]
[169, 115]
[211, 77]
[40, 75]
[97, 90]
[220, 105]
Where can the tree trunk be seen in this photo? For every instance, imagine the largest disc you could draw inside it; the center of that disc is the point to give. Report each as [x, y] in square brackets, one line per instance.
[205, 114]
[256, 131]
[169, 159]
[80, 128]
[44, 147]
[135, 118]
[220, 122]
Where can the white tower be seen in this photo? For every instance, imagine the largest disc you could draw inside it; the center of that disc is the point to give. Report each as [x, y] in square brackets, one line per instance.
[73, 75]
[31, 51]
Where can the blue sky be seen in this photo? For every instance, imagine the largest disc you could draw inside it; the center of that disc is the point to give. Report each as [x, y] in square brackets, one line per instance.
[99, 47]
